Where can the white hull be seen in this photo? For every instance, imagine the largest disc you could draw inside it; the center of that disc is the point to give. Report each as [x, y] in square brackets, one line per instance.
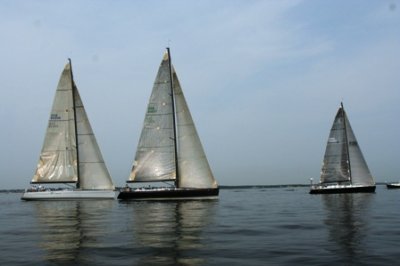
[68, 195]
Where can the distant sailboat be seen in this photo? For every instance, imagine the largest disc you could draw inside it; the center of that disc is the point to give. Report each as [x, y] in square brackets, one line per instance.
[344, 169]
[169, 148]
[70, 153]
[393, 185]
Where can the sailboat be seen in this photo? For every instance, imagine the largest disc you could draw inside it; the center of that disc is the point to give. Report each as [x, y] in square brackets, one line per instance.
[70, 153]
[393, 185]
[169, 148]
[344, 168]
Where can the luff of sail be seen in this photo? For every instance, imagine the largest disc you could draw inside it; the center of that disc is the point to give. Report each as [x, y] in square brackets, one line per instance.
[58, 161]
[155, 156]
[194, 170]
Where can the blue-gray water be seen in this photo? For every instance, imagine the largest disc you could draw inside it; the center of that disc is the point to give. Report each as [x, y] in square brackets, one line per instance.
[269, 226]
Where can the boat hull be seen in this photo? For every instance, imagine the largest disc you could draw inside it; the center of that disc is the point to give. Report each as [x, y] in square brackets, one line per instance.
[169, 194]
[341, 189]
[68, 195]
[393, 185]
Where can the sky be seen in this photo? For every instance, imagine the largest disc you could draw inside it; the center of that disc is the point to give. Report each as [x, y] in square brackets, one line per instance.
[263, 80]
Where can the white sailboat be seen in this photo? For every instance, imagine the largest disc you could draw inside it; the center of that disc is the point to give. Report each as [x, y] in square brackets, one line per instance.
[70, 153]
[393, 185]
[169, 148]
[344, 168]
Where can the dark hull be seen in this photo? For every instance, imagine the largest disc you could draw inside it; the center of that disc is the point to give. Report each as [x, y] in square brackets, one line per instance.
[397, 185]
[328, 190]
[169, 194]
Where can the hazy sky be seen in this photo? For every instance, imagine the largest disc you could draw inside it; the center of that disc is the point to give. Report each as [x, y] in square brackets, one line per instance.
[263, 80]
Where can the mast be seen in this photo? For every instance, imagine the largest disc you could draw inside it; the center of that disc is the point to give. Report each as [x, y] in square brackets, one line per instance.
[75, 124]
[347, 142]
[173, 120]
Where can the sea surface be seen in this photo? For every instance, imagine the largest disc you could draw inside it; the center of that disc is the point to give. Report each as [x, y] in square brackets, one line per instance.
[256, 226]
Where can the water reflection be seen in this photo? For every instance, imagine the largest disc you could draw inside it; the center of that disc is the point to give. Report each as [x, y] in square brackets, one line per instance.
[68, 227]
[170, 233]
[347, 221]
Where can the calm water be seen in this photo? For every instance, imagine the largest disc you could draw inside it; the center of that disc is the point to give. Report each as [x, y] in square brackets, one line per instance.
[271, 226]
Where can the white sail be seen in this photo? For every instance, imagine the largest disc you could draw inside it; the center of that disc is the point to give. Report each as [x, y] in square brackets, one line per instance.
[155, 155]
[343, 160]
[335, 165]
[93, 172]
[194, 170]
[360, 174]
[58, 161]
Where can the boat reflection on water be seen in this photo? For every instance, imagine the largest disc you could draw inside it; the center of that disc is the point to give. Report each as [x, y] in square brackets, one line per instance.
[68, 227]
[170, 232]
[347, 222]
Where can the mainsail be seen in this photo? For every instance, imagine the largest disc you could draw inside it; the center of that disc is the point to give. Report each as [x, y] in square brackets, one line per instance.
[343, 160]
[70, 152]
[155, 158]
